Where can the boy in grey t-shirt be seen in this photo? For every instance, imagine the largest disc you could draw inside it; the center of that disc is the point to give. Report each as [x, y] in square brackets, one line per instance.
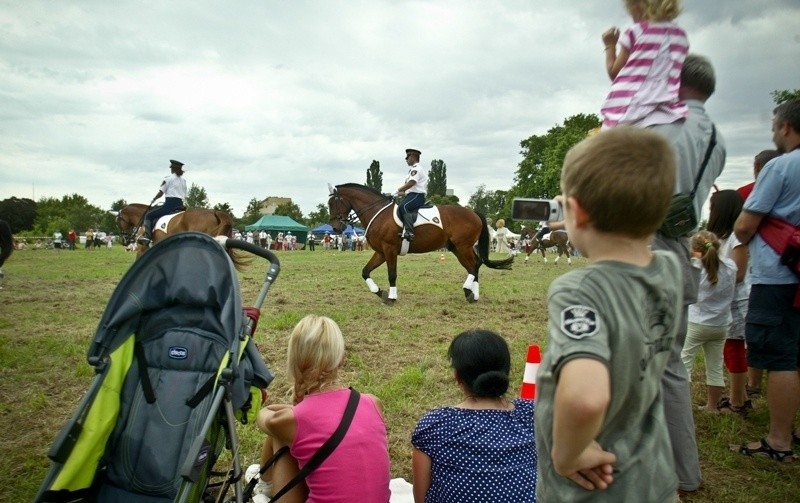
[600, 427]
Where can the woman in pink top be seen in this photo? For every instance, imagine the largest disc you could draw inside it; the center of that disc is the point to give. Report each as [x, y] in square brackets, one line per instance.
[646, 74]
[358, 469]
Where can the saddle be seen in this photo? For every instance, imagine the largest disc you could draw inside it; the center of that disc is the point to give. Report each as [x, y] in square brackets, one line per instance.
[426, 214]
[163, 222]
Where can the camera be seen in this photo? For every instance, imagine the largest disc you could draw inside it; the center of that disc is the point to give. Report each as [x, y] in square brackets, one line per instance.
[547, 210]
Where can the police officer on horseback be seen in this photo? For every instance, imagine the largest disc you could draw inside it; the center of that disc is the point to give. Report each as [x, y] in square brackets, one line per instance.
[415, 188]
[174, 189]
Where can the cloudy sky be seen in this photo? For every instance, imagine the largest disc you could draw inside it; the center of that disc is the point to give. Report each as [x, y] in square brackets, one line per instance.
[279, 98]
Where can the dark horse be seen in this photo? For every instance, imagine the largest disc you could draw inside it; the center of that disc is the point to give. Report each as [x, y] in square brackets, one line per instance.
[557, 239]
[461, 228]
[212, 222]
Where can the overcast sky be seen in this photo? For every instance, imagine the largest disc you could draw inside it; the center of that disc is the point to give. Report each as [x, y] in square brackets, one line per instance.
[279, 98]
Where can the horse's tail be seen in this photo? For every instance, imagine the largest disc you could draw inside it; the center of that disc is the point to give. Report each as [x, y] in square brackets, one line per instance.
[225, 228]
[483, 248]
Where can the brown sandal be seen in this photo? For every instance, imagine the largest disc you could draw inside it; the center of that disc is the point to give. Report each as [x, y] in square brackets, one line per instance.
[726, 407]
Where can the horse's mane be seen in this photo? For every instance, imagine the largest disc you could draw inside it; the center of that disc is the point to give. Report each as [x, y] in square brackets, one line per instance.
[362, 187]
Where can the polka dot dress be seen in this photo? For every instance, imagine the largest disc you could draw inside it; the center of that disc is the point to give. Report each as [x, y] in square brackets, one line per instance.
[479, 455]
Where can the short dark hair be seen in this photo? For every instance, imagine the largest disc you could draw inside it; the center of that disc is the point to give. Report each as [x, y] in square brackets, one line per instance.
[698, 74]
[482, 362]
[763, 157]
[789, 112]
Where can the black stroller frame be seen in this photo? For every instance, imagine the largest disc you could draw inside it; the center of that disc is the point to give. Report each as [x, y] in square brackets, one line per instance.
[176, 369]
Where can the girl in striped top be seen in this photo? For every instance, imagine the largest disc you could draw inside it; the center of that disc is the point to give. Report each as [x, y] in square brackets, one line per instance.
[646, 73]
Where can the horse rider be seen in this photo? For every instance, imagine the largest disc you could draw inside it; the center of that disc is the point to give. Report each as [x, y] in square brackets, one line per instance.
[544, 228]
[415, 189]
[173, 188]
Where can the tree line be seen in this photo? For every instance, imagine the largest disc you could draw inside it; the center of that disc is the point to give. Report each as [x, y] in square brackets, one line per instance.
[538, 175]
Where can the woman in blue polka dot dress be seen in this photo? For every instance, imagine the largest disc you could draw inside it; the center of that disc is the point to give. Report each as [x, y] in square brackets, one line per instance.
[482, 449]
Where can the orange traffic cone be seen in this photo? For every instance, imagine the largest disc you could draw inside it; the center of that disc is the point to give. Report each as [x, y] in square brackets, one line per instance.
[532, 362]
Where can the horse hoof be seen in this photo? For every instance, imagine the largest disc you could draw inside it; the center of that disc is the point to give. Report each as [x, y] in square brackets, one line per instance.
[379, 293]
[470, 295]
[389, 302]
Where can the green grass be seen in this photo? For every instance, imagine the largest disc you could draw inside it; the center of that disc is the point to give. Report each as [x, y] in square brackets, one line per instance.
[51, 303]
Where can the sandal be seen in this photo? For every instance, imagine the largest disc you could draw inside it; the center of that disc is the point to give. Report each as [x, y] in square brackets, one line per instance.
[753, 392]
[726, 407]
[766, 451]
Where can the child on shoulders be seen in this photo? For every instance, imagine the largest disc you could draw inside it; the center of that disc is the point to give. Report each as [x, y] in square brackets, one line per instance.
[646, 73]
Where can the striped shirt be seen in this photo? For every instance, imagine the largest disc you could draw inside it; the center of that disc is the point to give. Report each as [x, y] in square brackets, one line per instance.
[645, 92]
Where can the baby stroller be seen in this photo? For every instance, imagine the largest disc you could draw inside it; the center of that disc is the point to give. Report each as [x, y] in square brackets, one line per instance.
[176, 369]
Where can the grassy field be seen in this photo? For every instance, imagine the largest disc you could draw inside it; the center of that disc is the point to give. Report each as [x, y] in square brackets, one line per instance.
[52, 300]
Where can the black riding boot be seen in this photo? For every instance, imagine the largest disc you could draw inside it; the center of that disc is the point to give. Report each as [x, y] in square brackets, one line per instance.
[408, 224]
[148, 234]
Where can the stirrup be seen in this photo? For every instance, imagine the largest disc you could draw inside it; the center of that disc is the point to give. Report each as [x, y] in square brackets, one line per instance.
[144, 241]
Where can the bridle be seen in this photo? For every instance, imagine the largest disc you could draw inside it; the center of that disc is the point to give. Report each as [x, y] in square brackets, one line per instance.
[351, 216]
[133, 226]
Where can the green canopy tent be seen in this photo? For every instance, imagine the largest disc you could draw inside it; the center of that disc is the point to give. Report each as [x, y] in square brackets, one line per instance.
[279, 223]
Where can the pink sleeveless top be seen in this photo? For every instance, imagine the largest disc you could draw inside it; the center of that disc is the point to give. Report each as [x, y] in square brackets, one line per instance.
[358, 469]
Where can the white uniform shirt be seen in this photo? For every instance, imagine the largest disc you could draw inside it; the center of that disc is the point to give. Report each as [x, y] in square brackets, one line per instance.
[174, 186]
[419, 176]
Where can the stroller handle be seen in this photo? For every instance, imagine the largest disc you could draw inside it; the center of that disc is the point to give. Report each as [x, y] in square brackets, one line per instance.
[274, 263]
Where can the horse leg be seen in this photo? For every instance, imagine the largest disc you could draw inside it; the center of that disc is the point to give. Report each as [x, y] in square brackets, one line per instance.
[544, 256]
[470, 262]
[375, 261]
[391, 266]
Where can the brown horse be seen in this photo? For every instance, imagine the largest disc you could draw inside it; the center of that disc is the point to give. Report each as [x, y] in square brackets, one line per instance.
[211, 222]
[555, 239]
[456, 228]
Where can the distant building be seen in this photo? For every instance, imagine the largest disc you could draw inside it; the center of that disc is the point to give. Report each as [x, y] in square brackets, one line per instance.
[270, 204]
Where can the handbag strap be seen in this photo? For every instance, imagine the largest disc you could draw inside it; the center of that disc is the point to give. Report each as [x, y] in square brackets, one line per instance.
[327, 448]
[710, 148]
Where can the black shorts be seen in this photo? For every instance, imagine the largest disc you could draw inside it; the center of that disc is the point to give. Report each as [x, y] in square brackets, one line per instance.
[772, 328]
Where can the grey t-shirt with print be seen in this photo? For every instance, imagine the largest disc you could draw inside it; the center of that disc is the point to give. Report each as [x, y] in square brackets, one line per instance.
[626, 317]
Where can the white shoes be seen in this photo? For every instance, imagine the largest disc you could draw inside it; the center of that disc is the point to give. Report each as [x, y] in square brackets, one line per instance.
[263, 490]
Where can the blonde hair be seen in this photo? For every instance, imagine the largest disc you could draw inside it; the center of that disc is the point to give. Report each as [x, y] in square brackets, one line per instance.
[315, 353]
[707, 245]
[624, 179]
[500, 223]
[656, 10]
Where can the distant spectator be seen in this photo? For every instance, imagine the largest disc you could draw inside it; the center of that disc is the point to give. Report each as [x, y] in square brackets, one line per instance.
[89, 234]
[72, 237]
[58, 240]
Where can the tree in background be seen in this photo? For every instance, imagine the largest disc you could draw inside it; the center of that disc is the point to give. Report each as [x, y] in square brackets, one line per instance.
[375, 176]
[70, 211]
[197, 197]
[290, 210]
[319, 217]
[20, 213]
[491, 204]
[223, 207]
[539, 172]
[785, 95]
[251, 214]
[437, 178]
[118, 204]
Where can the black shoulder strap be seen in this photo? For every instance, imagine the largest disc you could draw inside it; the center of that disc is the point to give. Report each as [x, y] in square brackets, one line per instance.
[712, 142]
[327, 448]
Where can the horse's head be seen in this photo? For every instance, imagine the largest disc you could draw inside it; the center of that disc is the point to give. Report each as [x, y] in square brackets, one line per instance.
[339, 210]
